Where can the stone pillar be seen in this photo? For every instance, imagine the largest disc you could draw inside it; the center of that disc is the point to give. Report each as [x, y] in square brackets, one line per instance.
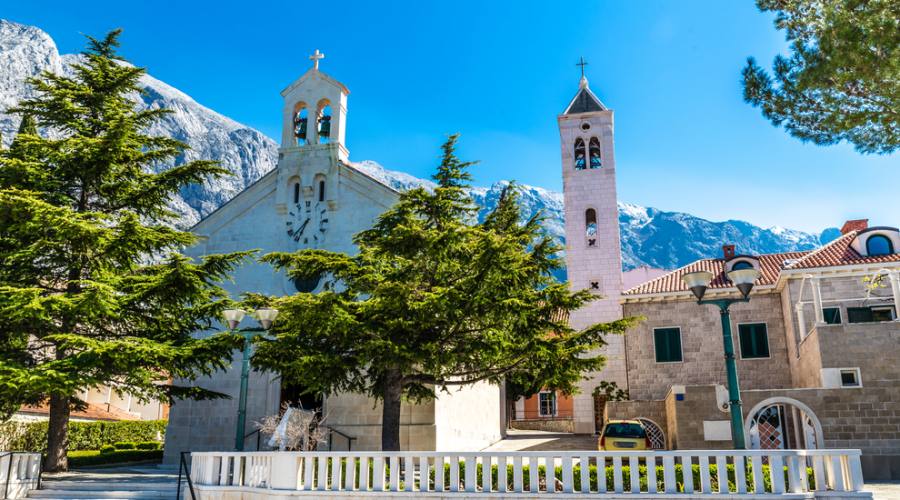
[817, 300]
[895, 289]
[285, 471]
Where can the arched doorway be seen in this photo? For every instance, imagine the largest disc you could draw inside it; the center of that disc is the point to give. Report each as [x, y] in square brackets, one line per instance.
[782, 423]
[655, 433]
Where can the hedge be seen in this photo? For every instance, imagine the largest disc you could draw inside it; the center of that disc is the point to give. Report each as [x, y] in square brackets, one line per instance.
[93, 457]
[592, 470]
[32, 436]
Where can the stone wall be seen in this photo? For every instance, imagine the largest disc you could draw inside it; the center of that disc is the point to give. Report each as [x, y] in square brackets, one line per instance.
[654, 410]
[867, 418]
[871, 347]
[468, 418]
[701, 339]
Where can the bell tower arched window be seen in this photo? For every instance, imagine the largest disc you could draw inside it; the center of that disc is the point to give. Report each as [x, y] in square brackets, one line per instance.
[590, 226]
[324, 122]
[296, 193]
[321, 190]
[594, 151]
[301, 119]
[580, 154]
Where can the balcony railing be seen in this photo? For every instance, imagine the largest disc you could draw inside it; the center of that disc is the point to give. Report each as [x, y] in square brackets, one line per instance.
[19, 473]
[751, 473]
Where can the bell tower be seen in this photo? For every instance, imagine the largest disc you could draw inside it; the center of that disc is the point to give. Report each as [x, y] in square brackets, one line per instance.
[314, 119]
[315, 110]
[593, 248]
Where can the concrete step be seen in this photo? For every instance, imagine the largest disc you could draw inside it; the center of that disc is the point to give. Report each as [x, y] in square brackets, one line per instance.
[75, 494]
[116, 486]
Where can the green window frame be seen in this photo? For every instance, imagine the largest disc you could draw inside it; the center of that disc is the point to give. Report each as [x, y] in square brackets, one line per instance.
[754, 340]
[667, 344]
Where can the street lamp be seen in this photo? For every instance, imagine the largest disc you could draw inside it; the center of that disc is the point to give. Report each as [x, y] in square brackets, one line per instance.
[233, 317]
[743, 279]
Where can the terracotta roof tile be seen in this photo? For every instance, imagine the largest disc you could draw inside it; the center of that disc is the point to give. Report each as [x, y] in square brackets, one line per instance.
[770, 267]
[92, 412]
[840, 253]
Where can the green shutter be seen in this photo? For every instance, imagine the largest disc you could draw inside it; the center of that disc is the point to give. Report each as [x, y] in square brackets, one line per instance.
[668, 344]
[754, 340]
[832, 315]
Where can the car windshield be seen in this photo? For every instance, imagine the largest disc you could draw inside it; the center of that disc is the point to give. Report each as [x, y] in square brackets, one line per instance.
[624, 430]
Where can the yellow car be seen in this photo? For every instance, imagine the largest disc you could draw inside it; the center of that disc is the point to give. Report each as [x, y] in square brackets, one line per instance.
[623, 435]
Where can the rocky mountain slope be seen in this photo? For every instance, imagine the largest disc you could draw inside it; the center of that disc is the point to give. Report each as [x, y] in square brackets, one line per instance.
[650, 236]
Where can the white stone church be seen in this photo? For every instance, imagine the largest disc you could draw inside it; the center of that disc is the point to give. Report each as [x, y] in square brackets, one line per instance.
[316, 198]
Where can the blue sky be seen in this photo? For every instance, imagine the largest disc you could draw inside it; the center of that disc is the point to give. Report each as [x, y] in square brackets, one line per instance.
[499, 73]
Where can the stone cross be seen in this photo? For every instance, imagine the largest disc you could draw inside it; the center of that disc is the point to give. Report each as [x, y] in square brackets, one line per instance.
[315, 58]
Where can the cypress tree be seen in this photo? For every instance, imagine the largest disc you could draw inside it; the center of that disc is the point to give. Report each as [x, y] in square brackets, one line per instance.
[93, 290]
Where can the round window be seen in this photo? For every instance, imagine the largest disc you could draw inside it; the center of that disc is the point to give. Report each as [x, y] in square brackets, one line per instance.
[585, 126]
[307, 285]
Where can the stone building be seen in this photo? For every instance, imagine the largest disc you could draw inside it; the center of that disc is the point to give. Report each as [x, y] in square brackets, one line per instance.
[314, 198]
[816, 351]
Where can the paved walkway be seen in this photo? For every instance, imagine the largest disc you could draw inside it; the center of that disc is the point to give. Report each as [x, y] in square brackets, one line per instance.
[518, 440]
[885, 490]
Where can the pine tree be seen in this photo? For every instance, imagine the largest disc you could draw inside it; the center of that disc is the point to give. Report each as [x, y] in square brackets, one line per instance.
[93, 290]
[841, 81]
[433, 300]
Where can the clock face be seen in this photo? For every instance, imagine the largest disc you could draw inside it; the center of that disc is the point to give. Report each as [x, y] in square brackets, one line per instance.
[307, 223]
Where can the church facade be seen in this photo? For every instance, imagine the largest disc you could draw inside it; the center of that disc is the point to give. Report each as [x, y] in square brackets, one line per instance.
[314, 198]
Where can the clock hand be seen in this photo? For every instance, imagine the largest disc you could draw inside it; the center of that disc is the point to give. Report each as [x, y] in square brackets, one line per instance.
[303, 226]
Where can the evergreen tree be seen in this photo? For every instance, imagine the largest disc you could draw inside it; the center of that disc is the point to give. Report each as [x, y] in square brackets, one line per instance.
[93, 290]
[841, 81]
[433, 300]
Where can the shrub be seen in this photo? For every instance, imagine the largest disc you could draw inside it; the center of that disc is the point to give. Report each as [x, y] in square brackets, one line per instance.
[148, 445]
[86, 458]
[124, 445]
[107, 448]
[32, 436]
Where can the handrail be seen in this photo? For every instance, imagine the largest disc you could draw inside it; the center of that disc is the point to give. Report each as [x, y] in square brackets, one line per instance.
[187, 474]
[332, 431]
[258, 437]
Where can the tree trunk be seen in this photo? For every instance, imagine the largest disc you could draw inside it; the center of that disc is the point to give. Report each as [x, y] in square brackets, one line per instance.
[58, 435]
[390, 414]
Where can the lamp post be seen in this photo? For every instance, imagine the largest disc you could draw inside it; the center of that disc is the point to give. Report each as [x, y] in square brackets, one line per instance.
[233, 318]
[743, 279]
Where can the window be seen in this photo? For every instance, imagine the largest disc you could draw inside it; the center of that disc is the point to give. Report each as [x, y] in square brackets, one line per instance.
[594, 150]
[832, 315]
[321, 190]
[296, 193]
[850, 377]
[879, 244]
[741, 264]
[754, 340]
[324, 122]
[870, 314]
[590, 222]
[300, 121]
[547, 404]
[668, 344]
[579, 154]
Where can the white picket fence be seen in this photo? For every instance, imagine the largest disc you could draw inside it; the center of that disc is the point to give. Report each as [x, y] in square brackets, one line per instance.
[711, 472]
[19, 473]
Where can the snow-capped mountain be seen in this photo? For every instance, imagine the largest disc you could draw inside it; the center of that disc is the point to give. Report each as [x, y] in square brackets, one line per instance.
[649, 236]
[26, 51]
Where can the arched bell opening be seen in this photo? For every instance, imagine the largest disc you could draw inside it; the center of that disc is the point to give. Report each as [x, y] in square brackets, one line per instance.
[594, 152]
[301, 120]
[580, 154]
[324, 121]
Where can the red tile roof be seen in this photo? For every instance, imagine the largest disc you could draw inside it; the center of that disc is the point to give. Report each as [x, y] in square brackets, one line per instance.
[840, 253]
[770, 267]
[834, 254]
[92, 412]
